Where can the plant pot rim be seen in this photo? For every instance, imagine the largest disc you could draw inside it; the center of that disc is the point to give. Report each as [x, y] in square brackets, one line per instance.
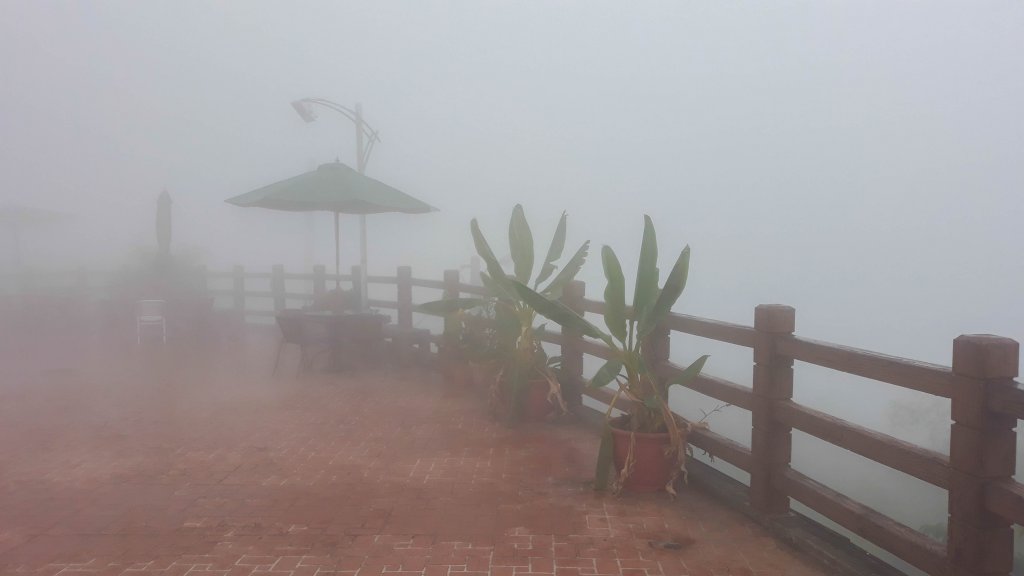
[614, 424]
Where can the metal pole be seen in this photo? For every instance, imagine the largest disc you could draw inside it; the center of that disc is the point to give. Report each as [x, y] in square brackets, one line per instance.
[361, 166]
[337, 254]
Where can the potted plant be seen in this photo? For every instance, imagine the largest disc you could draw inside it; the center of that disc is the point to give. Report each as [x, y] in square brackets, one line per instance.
[467, 349]
[526, 384]
[455, 348]
[479, 345]
[647, 444]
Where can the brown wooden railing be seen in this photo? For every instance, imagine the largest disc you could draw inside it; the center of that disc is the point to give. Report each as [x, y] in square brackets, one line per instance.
[986, 403]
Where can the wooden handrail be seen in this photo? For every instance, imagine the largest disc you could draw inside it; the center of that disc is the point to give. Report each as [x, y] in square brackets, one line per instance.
[921, 463]
[711, 329]
[1007, 398]
[473, 289]
[428, 283]
[920, 376]
[382, 279]
[718, 446]
[552, 337]
[1007, 500]
[595, 349]
[595, 306]
[296, 276]
[717, 388]
[906, 543]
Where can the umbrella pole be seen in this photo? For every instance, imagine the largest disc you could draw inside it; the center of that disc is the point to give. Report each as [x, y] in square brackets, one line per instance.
[337, 254]
[362, 262]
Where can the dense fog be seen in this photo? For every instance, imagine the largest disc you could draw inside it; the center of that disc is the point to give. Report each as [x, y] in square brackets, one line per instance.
[860, 161]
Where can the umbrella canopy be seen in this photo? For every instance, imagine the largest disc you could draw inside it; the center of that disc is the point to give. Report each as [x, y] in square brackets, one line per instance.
[334, 188]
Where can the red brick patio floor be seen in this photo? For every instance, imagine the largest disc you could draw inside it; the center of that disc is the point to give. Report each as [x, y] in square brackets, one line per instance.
[192, 459]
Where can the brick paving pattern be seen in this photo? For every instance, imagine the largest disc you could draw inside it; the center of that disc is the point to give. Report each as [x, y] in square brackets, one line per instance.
[192, 460]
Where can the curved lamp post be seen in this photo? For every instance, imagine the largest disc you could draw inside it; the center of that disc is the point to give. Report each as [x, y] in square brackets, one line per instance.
[366, 137]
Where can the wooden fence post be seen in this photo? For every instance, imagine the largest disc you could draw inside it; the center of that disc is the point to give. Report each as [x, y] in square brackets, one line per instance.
[572, 352]
[404, 296]
[319, 280]
[982, 451]
[277, 286]
[451, 290]
[451, 284]
[771, 443]
[238, 276]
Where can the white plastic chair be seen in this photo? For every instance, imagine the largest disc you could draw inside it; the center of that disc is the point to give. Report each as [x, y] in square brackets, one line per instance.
[149, 313]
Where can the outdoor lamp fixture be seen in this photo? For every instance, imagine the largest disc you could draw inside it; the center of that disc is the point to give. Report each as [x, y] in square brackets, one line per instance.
[366, 137]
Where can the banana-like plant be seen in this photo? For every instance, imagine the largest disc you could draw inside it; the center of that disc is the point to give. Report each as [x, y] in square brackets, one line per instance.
[628, 329]
[519, 352]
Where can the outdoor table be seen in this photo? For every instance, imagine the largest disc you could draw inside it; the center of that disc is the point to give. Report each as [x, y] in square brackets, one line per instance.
[349, 334]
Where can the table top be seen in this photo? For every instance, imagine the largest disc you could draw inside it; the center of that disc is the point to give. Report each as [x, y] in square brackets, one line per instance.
[332, 314]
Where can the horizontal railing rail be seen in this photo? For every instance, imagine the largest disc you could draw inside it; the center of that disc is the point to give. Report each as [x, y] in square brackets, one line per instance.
[921, 463]
[909, 545]
[1007, 398]
[920, 376]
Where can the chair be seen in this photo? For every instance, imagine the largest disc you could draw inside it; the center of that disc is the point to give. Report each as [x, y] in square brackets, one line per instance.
[408, 345]
[295, 330]
[150, 313]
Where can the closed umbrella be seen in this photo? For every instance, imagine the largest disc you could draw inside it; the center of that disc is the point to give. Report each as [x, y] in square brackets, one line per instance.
[336, 188]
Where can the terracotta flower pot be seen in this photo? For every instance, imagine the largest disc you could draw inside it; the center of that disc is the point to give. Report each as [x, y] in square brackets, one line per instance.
[536, 407]
[652, 469]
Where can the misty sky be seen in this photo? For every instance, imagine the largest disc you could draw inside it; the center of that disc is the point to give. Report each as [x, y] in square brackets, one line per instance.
[859, 160]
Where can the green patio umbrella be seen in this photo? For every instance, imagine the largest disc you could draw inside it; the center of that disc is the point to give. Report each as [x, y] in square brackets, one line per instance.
[336, 188]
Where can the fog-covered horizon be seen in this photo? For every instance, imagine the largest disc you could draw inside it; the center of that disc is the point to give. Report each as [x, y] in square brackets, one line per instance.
[858, 161]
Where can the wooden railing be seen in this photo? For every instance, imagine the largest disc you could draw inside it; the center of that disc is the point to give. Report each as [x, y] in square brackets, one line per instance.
[986, 403]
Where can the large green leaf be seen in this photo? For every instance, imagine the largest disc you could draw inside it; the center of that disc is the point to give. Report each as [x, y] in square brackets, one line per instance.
[604, 459]
[646, 273]
[568, 272]
[560, 313]
[653, 402]
[690, 373]
[614, 294]
[554, 252]
[499, 289]
[670, 293]
[507, 328]
[520, 242]
[605, 374]
[450, 306]
[485, 252]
